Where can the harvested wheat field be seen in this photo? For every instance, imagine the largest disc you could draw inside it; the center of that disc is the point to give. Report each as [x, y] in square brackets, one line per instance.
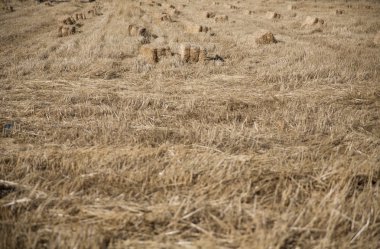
[190, 124]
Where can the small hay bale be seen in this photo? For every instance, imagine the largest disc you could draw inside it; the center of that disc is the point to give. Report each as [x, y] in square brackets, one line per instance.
[249, 12]
[165, 18]
[8, 8]
[272, 15]
[339, 12]
[309, 21]
[193, 28]
[174, 12]
[72, 30]
[221, 18]
[172, 7]
[194, 53]
[91, 12]
[205, 29]
[266, 38]
[65, 31]
[234, 7]
[291, 7]
[149, 54]
[141, 31]
[184, 52]
[68, 21]
[210, 14]
[202, 55]
[163, 51]
[134, 30]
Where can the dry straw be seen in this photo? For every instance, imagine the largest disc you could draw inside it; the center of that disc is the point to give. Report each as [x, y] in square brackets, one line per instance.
[103, 147]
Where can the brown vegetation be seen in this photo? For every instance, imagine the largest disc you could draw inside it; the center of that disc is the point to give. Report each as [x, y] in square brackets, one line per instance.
[164, 17]
[272, 15]
[266, 38]
[185, 52]
[376, 40]
[68, 21]
[309, 21]
[221, 18]
[196, 28]
[177, 140]
[135, 30]
[194, 53]
[291, 7]
[209, 14]
[234, 7]
[150, 54]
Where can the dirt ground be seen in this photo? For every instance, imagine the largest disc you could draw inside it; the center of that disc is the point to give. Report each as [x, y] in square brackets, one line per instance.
[258, 146]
